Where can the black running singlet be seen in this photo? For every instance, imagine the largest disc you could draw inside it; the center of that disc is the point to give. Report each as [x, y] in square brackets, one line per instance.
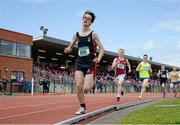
[86, 51]
[163, 74]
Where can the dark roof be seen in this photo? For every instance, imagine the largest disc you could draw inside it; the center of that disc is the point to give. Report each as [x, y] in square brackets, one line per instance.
[53, 45]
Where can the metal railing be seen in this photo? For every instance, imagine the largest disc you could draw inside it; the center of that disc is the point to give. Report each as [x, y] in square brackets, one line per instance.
[64, 84]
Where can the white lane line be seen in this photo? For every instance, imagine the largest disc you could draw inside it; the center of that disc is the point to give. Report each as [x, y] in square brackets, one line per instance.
[39, 104]
[29, 113]
[167, 105]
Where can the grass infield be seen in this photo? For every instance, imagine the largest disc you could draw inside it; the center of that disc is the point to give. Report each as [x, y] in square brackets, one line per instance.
[163, 112]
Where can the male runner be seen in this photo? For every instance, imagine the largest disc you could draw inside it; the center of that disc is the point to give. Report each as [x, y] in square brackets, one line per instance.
[163, 76]
[119, 65]
[144, 69]
[87, 42]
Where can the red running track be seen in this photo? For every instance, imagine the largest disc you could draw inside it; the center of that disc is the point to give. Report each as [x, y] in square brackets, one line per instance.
[50, 109]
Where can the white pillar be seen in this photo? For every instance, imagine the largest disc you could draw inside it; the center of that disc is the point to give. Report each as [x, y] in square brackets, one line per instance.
[32, 87]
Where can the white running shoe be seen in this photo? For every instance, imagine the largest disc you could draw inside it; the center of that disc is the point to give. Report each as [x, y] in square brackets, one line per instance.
[118, 98]
[140, 97]
[81, 111]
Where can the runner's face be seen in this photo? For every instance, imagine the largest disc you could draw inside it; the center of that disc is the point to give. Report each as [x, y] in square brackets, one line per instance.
[121, 53]
[162, 67]
[174, 68]
[87, 20]
[145, 58]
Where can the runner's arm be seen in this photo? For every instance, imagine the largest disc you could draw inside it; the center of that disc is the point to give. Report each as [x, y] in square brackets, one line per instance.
[169, 76]
[129, 65]
[158, 73]
[167, 73]
[71, 45]
[114, 64]
[150, 69]
[138, 67]
[101, 48]
[177, 75]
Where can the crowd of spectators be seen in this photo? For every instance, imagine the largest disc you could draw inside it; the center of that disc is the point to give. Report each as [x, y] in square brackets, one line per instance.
[55, 73]
[47, 73]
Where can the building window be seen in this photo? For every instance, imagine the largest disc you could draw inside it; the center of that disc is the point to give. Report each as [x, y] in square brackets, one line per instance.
[15, 75]
[7, 48]
[23, 50]
[15, 49]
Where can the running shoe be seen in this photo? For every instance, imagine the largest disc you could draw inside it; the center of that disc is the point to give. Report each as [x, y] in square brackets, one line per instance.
[175, 94]
[140, 97]
[118, 99]
[81, 111]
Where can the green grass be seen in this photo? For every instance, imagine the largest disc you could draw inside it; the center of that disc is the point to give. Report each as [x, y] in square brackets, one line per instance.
[154, 114]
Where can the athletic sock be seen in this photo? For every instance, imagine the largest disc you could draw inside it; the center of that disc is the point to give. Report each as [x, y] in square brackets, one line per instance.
[83, 105]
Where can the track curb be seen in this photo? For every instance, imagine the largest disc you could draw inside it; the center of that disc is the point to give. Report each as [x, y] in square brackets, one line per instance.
[91, 114]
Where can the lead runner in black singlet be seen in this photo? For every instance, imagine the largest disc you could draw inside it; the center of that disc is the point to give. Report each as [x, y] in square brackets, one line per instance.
[87, 42]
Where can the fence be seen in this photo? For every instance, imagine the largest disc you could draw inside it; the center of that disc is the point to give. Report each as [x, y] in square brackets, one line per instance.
[65, 84]
[70, 88]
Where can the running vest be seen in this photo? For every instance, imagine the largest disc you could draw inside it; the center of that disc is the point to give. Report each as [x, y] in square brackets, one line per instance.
[86, 48]
[121, 66]
[174, 77]
[145, 72]
[163, 74]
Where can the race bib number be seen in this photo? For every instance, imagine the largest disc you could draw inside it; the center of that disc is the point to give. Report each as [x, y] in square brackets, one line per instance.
[146, 68]
[163, 76]
[120, 66]
[83, 51]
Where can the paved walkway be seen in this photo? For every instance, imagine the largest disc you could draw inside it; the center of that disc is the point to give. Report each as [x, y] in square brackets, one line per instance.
[117, 116]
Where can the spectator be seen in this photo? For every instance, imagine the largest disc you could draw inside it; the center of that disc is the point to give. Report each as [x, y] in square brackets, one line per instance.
[20, 83]
[29, 86]
[1, 86]
[99, 85]
[45, 86]
[4, 81]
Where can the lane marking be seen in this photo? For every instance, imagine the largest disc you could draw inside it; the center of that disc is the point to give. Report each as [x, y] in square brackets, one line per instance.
[40, 111]
[167, 105]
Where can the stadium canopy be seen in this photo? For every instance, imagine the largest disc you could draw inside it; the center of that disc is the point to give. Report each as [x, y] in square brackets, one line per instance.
[49, 49]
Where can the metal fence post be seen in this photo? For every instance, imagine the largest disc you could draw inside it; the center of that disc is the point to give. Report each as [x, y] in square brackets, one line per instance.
[54, 86]
[113, 88]
[71, 88]
[10, 87]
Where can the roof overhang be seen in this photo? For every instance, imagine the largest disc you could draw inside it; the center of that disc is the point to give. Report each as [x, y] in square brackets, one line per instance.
[52, 46]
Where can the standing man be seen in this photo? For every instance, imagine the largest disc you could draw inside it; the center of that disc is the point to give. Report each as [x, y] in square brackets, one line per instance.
[119, 65]
[87, 42]
[144, 69]
[163, 76]
[4, 81]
